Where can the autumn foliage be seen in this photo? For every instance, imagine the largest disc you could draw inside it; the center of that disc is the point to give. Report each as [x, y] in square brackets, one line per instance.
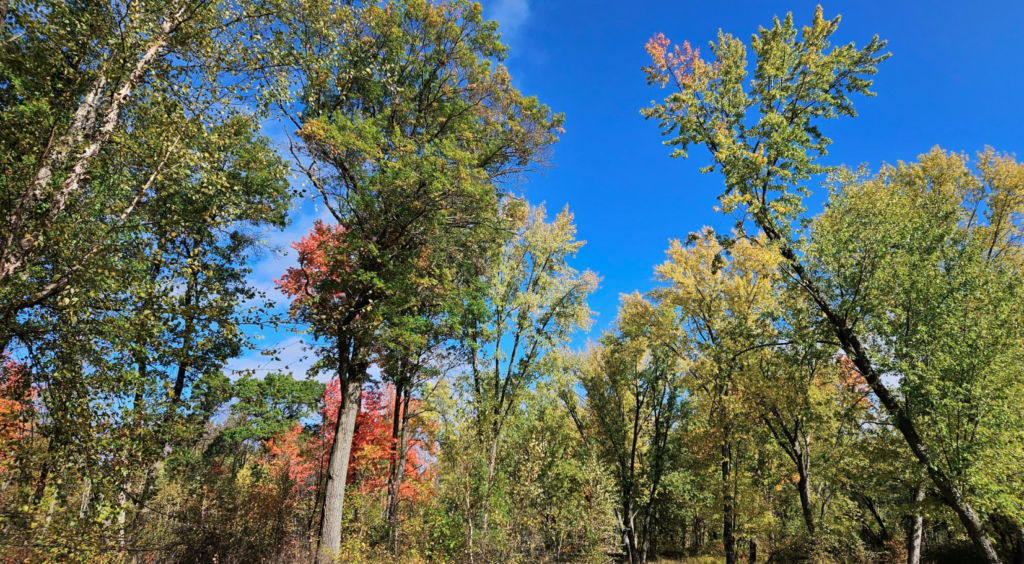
[316, 285]
[678, 63]
[374, 450]
[15, 406]
[853, 382]
[836, 379]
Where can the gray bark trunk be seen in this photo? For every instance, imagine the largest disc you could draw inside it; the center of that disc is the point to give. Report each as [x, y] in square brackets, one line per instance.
[645, 542]
[3, 13]
[916, 528]
[398, 473]
[83, 508]
[337, 469]
[492, 462]
[683, 535]
[629, 534]
[122, 502]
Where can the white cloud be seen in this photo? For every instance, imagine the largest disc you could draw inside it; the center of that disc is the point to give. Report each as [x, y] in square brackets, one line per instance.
[292, 352]
[274, 262]
[511, 14]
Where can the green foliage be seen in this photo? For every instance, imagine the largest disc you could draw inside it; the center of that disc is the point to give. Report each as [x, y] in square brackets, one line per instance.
[939, 287]
[763, 134]
[268, 407]
[906, 287]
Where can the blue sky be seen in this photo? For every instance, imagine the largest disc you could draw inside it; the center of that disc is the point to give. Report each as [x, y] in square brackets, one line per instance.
[955, 79]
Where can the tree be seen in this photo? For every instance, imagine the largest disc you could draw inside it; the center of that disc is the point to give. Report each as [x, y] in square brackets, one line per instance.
[127, 356]
[726, 306]
[633, 404]
[811, 401]
[764, 139]
[533, 302]
[268, 407]
[407, 131]
[938, 288]
[556, 492]
[243, 493]
[134, 190]
[166, 313]
[415, 356]
[80, 78]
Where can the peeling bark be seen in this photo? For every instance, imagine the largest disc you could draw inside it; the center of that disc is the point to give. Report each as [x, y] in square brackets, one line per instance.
[90, 110]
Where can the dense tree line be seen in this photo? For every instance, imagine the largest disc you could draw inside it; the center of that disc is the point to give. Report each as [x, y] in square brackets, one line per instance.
[838, 387]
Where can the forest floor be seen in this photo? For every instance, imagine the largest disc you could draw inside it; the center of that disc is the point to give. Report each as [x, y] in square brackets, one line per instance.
[690, 560]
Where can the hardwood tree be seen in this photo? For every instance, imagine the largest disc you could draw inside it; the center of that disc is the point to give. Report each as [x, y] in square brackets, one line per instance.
[634, 404]
[533, 301]
[408, 130]
[763, 137]
[86, 86]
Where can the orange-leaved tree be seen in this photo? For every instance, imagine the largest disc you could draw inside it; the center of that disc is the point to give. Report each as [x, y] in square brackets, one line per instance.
[16, 408]
[373, 443]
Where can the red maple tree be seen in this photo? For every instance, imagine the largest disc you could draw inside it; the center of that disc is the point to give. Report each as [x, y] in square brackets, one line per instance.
[374, 449]
[16, 403]
[316, 286]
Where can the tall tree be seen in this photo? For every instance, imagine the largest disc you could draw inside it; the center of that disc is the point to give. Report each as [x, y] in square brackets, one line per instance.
[764, 139]
[726, 304]
[939, 290]
[533, 302]
[78, 79]
[634, 402]
[415, 354]
[124, 359]
[407, 131]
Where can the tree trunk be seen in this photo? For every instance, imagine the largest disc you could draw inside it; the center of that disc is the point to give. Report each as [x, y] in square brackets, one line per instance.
[628, 532]
[883, 531]
[83, 507]
[396, 450]
[398, 471]
[645, 542]
[40, 489]
[49, 514]
[3, 20]
[696, 533]
[186, 342]
[337, 468]
[728, 510]
[789, 441]
[122, 504]
[805, 497]
[752, 558]
[86, 116]
[1018, 556]
[915, 528]
[492, 462]
[683, 535]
